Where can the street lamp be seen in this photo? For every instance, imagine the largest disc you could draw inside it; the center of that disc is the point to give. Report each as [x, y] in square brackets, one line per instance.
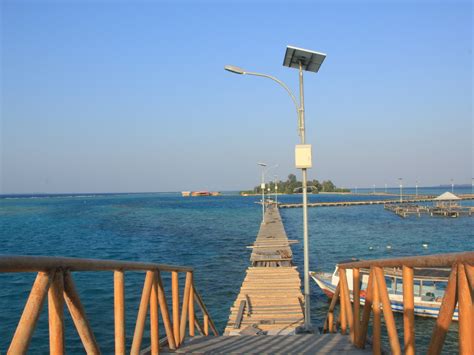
[373, 187]
[262, 187]
[416, 188]
[401, 189]
[303, 60]
[452, 186]
[275, 178]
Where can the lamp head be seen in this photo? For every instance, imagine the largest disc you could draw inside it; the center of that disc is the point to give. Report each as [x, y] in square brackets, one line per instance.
[234, 69]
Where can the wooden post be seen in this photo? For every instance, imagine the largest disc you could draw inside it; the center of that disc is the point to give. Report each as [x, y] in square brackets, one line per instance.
[154, 327]
[445, 315]
[364, 325]
[27, 323]
[185, 306]
[466, 313]
[78, 315]
[206, 324]
[192, 315]
[165, 314]
[469, 269]
[56, 314]
[199, 326]
[408, 311]
[329, 324]
[201, 304]
[356, 297]
[119, 312]
[387, 312]
[141, 317]
[342, 304]
[175, 306]
[376, 345]
[347, 302]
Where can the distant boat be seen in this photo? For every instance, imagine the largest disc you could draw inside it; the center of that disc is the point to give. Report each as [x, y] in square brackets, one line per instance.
[429, 286]
[200, 193]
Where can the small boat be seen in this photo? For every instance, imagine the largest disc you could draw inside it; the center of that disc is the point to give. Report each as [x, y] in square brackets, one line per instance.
[200, 193]
[429, 287]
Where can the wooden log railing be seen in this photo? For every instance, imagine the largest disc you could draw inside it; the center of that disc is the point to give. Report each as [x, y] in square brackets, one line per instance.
[54, 279]
[459, 291]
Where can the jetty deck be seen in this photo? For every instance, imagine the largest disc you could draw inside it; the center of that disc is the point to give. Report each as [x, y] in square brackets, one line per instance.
[268, 312]
[278, 344]
[270, 299]
[367, 202]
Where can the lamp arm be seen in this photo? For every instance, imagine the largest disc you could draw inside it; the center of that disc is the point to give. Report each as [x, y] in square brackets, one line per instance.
[287, 90]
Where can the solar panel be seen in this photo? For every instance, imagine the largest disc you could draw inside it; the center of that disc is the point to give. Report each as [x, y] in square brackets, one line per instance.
[310, 60]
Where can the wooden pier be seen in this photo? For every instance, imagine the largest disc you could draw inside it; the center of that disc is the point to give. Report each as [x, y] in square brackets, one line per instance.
[368, 202]
[270, 299]
[267, 315]
[405, 210]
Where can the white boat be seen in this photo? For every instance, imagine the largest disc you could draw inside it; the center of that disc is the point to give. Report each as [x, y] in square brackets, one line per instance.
[429, 286]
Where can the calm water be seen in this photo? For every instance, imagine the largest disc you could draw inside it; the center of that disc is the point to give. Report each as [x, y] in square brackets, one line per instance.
[207, 233]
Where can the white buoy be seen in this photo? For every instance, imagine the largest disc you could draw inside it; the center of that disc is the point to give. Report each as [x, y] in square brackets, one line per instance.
[389, 246]
[425, 245]
[371, 248]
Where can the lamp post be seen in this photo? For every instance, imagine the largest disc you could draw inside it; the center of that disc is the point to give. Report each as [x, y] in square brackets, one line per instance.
[452, 186]
[385, 188]
[306, 60]
[262, 187]
[401, 189]
[373, 189]
[275, 177]
[416, 188]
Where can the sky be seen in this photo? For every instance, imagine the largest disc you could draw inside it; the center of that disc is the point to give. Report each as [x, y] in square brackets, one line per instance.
[132, 96]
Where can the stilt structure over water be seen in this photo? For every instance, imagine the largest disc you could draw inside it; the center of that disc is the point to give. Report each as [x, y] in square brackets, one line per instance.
[270, 299]
[367, 202]
[269, 312]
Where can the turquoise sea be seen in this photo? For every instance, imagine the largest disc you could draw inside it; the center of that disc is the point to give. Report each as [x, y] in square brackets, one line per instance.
[207, 233]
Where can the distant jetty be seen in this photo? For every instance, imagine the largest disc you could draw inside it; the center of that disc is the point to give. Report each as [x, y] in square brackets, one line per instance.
[369, 202]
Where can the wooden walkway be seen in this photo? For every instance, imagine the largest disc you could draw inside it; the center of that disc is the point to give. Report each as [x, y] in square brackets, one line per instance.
[268, 311]
[360, 203]
[270, 299]
[279, 344]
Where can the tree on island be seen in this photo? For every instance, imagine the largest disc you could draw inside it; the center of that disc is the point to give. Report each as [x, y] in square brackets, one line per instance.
[292, 185]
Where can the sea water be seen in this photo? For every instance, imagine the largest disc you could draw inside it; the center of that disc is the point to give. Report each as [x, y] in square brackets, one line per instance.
[207, 233]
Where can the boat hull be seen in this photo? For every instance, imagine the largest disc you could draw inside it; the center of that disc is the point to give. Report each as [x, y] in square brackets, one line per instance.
[421, 308]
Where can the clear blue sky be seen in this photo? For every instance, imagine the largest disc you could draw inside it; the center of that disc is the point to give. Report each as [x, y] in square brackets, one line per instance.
[105, 96]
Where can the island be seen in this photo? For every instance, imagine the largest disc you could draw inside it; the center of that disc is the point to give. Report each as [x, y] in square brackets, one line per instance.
[292, 186]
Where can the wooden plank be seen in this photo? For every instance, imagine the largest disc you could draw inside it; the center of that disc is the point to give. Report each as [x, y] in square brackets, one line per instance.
[240, 314]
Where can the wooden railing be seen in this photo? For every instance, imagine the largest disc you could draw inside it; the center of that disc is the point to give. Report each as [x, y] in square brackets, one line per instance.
[459, 290]
[55, 280]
